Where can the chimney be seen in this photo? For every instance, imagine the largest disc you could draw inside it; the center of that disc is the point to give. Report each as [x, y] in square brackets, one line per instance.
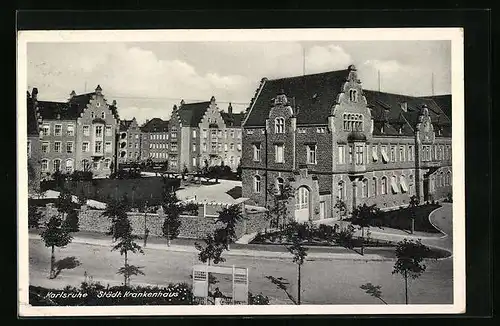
[113, 103]
[182, 102]
[230, 108]
[212, 100]
[73, 94]
[98, 90]
[34, 93]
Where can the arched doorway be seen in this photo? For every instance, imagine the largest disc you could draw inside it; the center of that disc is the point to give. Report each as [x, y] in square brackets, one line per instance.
[302, 204]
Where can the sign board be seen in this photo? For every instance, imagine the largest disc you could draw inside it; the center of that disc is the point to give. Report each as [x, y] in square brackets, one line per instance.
[239, 281]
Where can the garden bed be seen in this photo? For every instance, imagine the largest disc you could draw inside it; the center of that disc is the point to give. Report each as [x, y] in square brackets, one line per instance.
[400, 219]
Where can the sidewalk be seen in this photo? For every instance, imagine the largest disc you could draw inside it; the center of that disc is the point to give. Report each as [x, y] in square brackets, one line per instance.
[262, 251]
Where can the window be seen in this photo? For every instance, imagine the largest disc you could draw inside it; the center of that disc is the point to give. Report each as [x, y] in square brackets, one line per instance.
[194, 147]
[231, 146]
[402, 153]
[45, 147]
[69, 165]
[57, 130]
[404, 185]
[231, 133]
[448, 175]
[137, 145]
[364, 188]
[375, 153]
[353, 95]
[359, 155]
[410, 185]
[231, 160]
[350, 154]
[249, 131]
[342, 190]
[96, 165]
[108, 147]
[256, 183]
[85, 146]
[394, 185]
[56, 165]
[136, 136]
[302, 198]
[383, 185]
[341, 154]
[256, 152]
[45, 165]
[130, 145]
[173, 147]
[57, 147]
[46, 130]
[238, 134]
[205, 133]
[107, 163]
[213, 133]
[204, 147]
[353, 122]
[225, 147]
[194, 133]
[279, 125]
[279, 185]
[103, 115]
[374, 186]
[279, 153]
[383, 151]
[29, 149]
[219, 133]
[85, 165]
[98, 147]
[311, 154]
[301, 130]
[393, 153]
[86, 130]
[71, 130]
[109, 131]
[219, 147]
[410, 153]
[321, 130]
[98, 131]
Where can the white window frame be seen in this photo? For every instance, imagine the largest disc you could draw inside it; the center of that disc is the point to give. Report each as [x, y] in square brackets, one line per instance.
[311, 153]
[107, 163]
[42, 163]
[96, 134]
[60, 146]
[54, 163]
[47, 146]
[108, 149]
[46, 130]
[109, 131]
[341, 154]
[86, 128]
[95, 147]
[70, 129]
[279, 149]
[302, 198]
[279, 125]
[257, 184]
[83, 147]
[60, 130]
[256, 152]
[72, 166]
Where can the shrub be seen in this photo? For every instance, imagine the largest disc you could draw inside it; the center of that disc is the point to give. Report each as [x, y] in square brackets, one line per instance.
[258, 299]
[34, 215]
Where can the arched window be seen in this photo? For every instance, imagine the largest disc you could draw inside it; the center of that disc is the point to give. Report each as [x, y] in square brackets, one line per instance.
[85, 165]
[374, 186]
[279, 186]
[342, 190]
[256, 183]
[448, 176]
[302, 198]
[353, 95]
[45, 165]
[107, 163]
[69, 165]
[383, 185]
[103, 115]
[394, 185]
[279, 125]
[364, 188]
[57, 164]
[403, 184]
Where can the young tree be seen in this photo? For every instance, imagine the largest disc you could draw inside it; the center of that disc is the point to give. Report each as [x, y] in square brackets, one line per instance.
[229, 217]
[211, 252]
[414, 202]
[296, 236]
[341, 208]
[172, 208]
[410, 255]
[121, 230]
[364, 215]
[279, 208]
[54, 235]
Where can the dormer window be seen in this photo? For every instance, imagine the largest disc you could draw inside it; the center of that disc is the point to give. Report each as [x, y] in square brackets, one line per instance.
[353, 95]
[279, 125]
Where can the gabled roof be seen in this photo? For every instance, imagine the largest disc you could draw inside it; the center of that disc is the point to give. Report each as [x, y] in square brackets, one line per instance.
[444, 102]
[125, 124]
[190, 114]
[232, 119]
[155, 125]
[314, 95]
[387, 111]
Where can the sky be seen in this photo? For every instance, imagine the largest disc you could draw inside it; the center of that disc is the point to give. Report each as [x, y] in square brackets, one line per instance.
[148, 78]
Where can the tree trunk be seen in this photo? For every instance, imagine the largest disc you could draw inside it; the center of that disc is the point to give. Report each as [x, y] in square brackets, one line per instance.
[362, 241]
[168, 235]
[298, 285]
[406, 287]
[52, 263]
[125, 276]
[412, 225]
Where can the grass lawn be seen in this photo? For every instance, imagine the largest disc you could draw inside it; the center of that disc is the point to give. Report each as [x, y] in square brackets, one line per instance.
[399, 219]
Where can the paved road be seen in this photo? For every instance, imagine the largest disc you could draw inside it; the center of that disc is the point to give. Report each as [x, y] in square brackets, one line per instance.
[324, 281]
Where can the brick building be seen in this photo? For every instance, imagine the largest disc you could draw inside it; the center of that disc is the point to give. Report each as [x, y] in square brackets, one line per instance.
[330, 140]
[129, 141]
[154, 135]
[79, 134]
[201, 133]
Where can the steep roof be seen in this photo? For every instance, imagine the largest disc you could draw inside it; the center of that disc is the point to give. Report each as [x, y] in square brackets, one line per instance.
[232, 119]
[31, 117]
[190, 114]
[444, 102]
[125, 124]
[315, 93]
[393, 111]
[155, 125]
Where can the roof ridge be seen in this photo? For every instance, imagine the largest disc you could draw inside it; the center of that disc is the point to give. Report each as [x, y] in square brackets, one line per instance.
[315, 74]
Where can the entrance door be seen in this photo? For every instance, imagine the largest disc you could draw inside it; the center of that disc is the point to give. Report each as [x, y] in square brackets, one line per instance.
[302, 209]
[321, 210]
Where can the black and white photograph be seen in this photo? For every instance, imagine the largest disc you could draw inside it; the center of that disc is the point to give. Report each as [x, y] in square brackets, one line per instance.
[182, 172]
